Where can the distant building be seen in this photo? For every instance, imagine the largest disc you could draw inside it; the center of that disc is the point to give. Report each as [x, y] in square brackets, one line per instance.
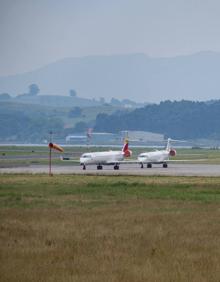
[95, 138]
[76, 138]
[142, 136]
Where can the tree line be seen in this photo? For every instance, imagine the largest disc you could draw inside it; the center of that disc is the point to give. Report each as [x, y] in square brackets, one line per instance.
[179, 119]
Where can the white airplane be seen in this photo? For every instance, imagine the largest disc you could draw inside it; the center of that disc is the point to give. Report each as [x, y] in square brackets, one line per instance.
[157, 157]
[106, 158]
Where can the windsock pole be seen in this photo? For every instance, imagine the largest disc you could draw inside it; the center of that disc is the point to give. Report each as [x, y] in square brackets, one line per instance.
[50, 157]
[55, 147]
[50, 154]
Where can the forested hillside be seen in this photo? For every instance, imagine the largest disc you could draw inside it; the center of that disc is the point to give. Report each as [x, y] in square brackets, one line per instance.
[184, 119]
[32, 123]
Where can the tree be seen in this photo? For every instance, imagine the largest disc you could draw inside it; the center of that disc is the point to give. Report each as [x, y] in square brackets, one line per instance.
[33, 89]
[80, 126]
[102, 100]
[73, 93]
[115, 102]
[75, 112]
[4, 96]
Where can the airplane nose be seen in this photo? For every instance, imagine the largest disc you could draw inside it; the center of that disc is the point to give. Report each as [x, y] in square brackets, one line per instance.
[141, 158]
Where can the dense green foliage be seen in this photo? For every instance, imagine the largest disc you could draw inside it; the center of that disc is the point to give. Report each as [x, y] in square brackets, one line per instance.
[4, 97]
[29, 125]
[32, 122]
[184, 119]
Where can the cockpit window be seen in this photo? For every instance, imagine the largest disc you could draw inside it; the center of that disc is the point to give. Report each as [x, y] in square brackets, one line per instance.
[86, 156]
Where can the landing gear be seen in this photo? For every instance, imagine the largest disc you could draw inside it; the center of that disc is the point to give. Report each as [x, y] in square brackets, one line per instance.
[116, 167]
[149, 165]
[84, 167]
[165, 165]
[99, 167]
[142, 165]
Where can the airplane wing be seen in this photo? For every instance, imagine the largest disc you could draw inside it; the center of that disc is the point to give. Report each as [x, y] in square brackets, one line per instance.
[123, 162]
[173, 161]
[190, 160]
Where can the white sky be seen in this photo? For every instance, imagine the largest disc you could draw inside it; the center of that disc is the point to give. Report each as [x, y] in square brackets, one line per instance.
[34, 33]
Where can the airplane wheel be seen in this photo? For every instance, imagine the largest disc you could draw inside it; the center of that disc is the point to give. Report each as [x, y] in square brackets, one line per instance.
[142, 165]
[165, 165]
[149, 165]
[99, 167]
[84, 167]
[116, 167]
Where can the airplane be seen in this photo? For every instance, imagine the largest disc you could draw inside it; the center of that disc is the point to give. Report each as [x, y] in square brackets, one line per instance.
[116, 158]
[106, 158]
[157, 157]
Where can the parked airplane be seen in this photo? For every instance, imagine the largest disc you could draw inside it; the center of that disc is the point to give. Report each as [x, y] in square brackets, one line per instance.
[106, 158]
[157, 157]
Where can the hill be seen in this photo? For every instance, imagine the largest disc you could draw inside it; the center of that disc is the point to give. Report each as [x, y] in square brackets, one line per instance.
[193, 77]
[56, 101]
[184, 119]
[33, 122]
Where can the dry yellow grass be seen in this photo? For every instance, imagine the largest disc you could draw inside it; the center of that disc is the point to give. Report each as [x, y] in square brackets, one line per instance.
[133, 241]
[129, 239]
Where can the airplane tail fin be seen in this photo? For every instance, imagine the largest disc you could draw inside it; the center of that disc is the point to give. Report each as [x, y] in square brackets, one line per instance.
[168, 144]
[125, 150]
[89, 133]
[171, 151]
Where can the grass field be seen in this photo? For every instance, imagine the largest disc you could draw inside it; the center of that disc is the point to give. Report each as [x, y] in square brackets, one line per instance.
[108, 228]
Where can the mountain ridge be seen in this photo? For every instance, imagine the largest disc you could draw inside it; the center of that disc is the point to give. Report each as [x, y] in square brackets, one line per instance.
[133, 76]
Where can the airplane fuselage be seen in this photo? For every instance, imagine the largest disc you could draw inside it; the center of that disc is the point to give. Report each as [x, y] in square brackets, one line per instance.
[154, 157]
[99, 158]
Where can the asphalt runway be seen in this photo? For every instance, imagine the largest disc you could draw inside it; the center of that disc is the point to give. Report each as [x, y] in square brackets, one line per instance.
[125, 169]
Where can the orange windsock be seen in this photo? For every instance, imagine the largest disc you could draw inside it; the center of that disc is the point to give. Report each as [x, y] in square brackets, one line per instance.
[55, 146]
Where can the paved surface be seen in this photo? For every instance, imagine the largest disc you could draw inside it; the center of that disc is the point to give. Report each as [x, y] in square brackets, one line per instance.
[125, 169]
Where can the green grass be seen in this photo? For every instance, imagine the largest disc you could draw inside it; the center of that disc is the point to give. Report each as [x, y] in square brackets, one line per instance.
[32, 191]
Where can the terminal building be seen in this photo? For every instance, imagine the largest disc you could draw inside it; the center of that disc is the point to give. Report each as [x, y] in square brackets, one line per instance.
[105, 138]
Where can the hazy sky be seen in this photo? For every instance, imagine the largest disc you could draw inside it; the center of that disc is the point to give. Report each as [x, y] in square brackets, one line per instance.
[34, 33]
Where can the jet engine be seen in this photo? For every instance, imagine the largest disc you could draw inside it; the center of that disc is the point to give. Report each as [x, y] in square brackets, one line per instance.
[172, 152]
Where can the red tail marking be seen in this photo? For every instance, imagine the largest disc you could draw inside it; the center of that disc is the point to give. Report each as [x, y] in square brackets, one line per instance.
[172, 152]
[127, 153]
[125, 150]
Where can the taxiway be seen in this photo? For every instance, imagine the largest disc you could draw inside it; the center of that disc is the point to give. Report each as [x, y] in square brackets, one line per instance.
[125, 169]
